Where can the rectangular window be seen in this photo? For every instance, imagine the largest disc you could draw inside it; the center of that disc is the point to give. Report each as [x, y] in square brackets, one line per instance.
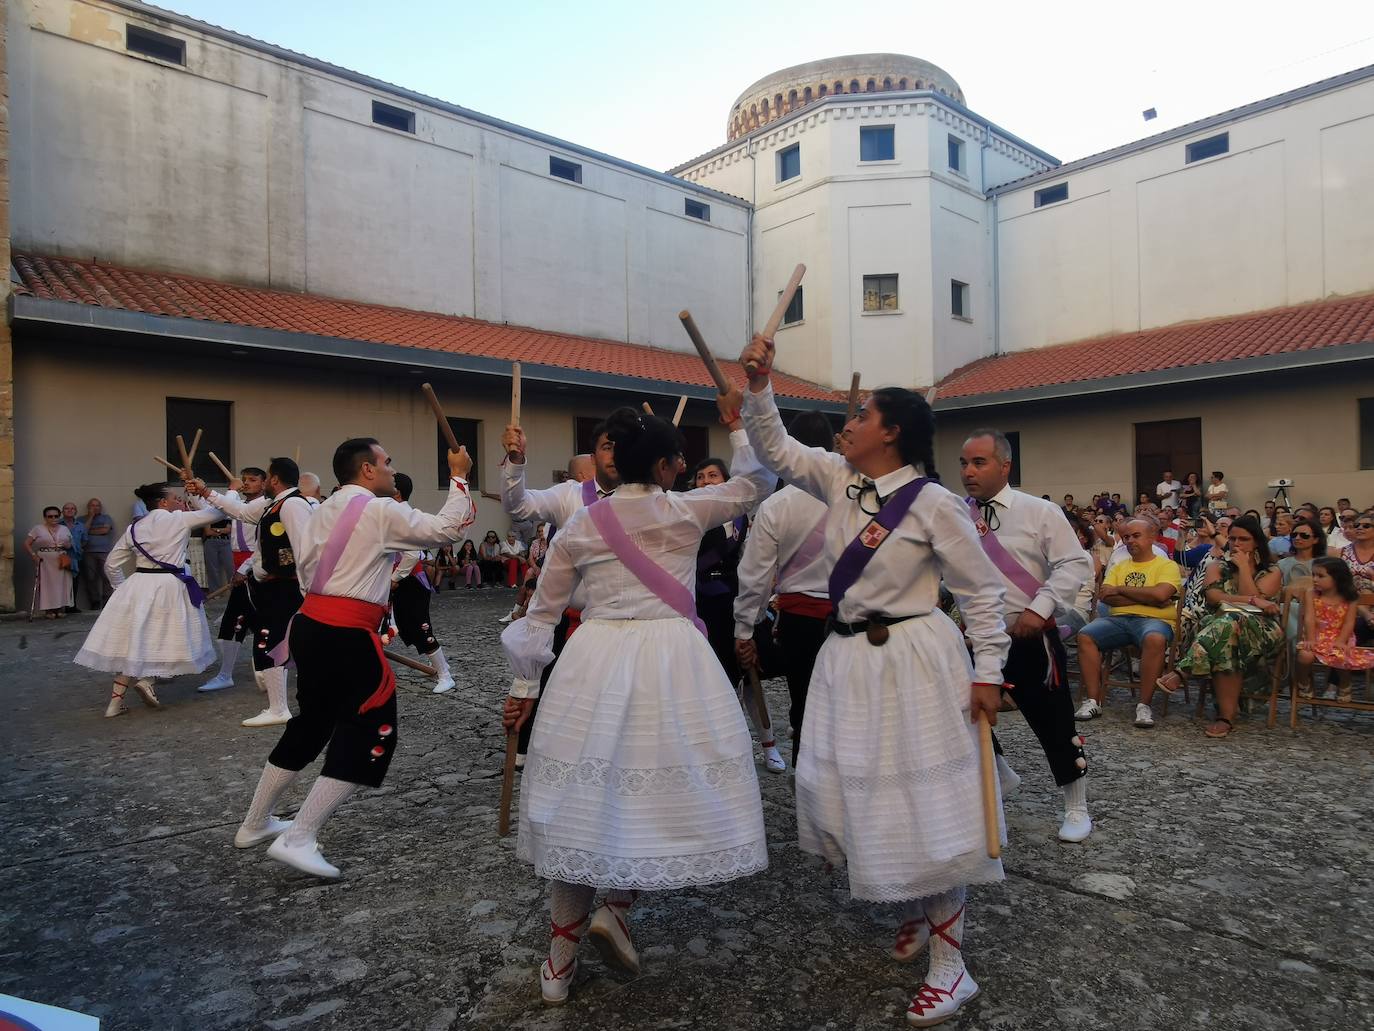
[696, 209]
[880, 293]
[1051, 195]
[568, 170]
[877, 143]
[1014, 439]
[789, 163]
[393, 117]
[795, 311]
[1208, 148]
[583, 441]
[185, 415]
[958, 300]
[154, 44]
[1367, 433]
[466, 432]
[956, 154]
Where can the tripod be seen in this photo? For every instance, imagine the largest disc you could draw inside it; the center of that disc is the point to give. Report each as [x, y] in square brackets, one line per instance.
[1282, 492]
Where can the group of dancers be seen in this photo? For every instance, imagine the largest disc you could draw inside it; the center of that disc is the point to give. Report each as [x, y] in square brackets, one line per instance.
[638, 772]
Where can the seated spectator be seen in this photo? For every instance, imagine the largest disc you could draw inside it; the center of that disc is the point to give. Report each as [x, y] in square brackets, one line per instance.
[1068, 506]
[1190, 497]
[1103, 503]
[469, 566]
[1082, 611]
[489, 559]
[1279, 542]
[1270, 507]
[1240, 631]
[1306, 542]
[513, 558]
[1359, 556]
[1330, 523]
[1218, 494]
[1140, 595]
[1117, 504]
[539, 547]
[1329, 630]
[1344, 523]
[1144, 506]
[1254, 514]
[100, 539]
[1342, 504]
[1104, 540]
[1121, 552]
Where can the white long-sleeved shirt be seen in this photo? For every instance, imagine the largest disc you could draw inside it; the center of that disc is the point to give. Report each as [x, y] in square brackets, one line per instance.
[1036, 534]
[294, 516]
[364, 569]
[667, 527]
[935, 538]
[512, 549]
[782, 525]
[556, 504]
[161, 533]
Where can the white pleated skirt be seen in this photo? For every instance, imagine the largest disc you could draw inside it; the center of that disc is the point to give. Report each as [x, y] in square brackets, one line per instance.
[149, 628]
[640, 771]
[888, 776]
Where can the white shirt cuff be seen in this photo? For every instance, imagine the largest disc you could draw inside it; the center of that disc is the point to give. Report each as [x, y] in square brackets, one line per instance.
[524, 688]
[1043, 606]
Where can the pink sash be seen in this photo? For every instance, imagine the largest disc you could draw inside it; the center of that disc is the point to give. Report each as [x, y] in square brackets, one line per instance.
[1017, 574]
[808, 552]
[664, 586]
[589, 495]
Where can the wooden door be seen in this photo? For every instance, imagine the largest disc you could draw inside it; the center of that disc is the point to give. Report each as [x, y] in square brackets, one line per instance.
[1175, 445]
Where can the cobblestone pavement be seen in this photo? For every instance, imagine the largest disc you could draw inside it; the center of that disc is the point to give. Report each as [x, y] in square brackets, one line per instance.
[1227, 885]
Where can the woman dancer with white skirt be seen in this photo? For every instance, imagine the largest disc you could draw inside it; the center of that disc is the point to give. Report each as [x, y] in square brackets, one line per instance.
[154, 624]
[888, 777]
[640, 774]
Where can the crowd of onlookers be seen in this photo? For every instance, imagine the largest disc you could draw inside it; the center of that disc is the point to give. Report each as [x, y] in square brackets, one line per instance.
[69, 552]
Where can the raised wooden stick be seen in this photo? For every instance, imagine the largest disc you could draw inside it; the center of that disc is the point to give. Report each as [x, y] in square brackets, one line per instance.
[775, 320]
[228, 476]
[181, 453]
[507, 784]
[992, 830]
[298, 454]
[515, 393]
[648, 408]
[406, 660]
[195, 443]
[444, 427]
[931, 394]
[853, 398]
[699, 342]
[681, 407]
[225, 589]
[169, 465]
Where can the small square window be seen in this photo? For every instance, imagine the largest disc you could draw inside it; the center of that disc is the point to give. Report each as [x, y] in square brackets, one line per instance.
[877, 143]
[568, 170]
[1208, 148]
[185, 415]
[696, 209]
[794, 310]
[1051, 195]
[880, 293]
[789, 163]
[154, 44]
[465, 430]
[958, 300]
[956, 154]
[393, 117]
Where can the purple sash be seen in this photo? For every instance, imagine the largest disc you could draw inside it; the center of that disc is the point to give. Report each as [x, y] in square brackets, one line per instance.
[860, 551]
[664, 586]
[1017, 574]
[193, 589]
[808, 552]
[589, 495]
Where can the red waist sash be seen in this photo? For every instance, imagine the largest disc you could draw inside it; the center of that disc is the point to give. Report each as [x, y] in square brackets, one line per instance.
[574, 618]
[805, 605]
[355, 614]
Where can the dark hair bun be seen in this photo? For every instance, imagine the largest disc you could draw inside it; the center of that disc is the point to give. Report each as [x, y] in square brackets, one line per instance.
[640, 441]
[151, 493]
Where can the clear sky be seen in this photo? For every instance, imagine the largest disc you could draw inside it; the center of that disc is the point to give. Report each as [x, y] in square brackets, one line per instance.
[652, 82]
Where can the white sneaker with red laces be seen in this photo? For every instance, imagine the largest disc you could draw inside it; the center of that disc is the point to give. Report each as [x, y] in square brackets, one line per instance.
[933, 1005]
[911, 939]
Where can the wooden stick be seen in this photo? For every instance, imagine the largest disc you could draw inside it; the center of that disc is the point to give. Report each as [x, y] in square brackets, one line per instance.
[221, 466]
[406, 660]
[218, 591]
[853, 398]
[992, 831]
[761, 715]
[931, 394]
[648, 408]
[681, 407]
[298, 454]
[775, 320]
[444, 427]
[195, 443]
[181, 453]
[507, 784]
[515, 393]
[698, 341]
[169, 465]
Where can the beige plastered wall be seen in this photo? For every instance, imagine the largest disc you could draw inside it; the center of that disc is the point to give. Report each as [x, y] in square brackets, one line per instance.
[1300, 425]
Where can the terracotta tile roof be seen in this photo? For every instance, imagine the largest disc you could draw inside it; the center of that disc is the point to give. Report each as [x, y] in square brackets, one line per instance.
[187, 297]
[1305, 327]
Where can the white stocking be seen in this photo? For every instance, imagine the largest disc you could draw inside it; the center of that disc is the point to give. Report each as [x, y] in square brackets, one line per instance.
[1076, 796]
[228, 654]
[440, 661]
[569, 907]
[271, 784]
[945, 914]
[325, 796]
[275, 681]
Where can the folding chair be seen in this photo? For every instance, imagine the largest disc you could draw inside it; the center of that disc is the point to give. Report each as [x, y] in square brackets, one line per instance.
[1284, 665]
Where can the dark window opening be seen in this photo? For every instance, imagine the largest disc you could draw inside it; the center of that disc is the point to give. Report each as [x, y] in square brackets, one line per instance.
[568, 170]
[1014, 439]
[1367, 433]
[185, 415]
[880, 293]
[393, 117]
[154, 44]
[877, 143]
[958, 300]
[794, 310]
[956, 153]
[696, 209]
[466, 432]
[1051, 195]
[1209, 148]
[789, 163]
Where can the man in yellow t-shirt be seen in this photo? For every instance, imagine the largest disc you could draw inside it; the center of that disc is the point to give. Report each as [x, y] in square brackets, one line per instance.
[1140, 594]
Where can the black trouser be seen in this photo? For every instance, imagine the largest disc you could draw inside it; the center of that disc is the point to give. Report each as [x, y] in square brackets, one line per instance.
[493, 572]
[717, 611]
[238, 614]
[337, 670]
[274, 603]
[560, 638]
[799, 639]
[1048, 709]
[410, 606]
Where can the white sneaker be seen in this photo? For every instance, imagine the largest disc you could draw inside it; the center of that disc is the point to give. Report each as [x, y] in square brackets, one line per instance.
[444, 685]
[1009, 778]
[554, 986]
[773, 761]
[934, 1005]
[245, 838]
[116, 707]
[611, 937]
[305, 858]
[505, 619]
[1089, 710]
[1076, 827]
[216, 683]
[1144, 718]
[266, 718]
[144, 687]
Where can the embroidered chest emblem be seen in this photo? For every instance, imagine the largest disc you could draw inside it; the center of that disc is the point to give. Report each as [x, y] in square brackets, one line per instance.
[982, 525]
[873, 534]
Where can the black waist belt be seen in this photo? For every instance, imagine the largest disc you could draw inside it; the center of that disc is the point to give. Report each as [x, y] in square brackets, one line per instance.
[279, 578]
[861, 627]
[171, 572]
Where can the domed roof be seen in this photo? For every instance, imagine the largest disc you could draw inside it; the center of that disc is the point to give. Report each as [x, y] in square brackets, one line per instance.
[784, 91]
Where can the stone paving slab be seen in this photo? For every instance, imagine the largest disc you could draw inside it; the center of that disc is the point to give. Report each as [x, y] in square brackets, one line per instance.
[1227, 885]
